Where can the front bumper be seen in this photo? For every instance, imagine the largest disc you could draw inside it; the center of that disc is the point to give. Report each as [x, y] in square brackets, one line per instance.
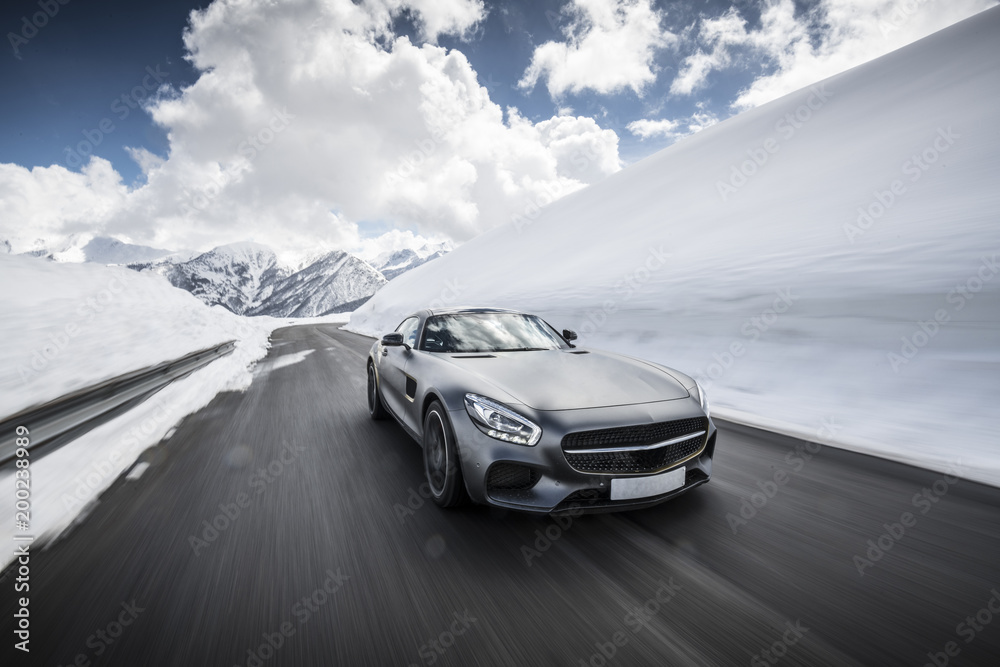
[556, 486]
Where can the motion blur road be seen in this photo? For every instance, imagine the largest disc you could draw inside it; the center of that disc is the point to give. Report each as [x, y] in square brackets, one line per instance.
[323, 552]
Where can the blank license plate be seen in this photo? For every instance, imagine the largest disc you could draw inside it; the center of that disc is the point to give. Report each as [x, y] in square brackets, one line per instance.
[645, 487]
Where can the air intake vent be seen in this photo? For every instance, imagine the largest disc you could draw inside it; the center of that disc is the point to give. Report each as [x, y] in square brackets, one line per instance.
[511, 477]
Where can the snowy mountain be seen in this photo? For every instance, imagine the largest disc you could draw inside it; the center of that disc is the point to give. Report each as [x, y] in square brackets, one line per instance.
[248, 279]
[105, 250]
[824, 263]
[398, 262]
[335, 283]
[238, 276]
[95, 249]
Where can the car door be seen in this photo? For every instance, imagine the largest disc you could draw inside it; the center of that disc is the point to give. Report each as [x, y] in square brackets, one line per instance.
[411, 411]
[392, 367]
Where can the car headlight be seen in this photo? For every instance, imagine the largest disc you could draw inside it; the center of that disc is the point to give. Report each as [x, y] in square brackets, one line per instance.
[698, 392]
[498, 421]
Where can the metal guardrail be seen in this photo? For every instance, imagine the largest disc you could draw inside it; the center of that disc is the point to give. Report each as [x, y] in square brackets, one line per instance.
[57, 422]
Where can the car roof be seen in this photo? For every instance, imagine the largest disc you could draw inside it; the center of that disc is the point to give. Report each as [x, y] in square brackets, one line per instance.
[457, 311]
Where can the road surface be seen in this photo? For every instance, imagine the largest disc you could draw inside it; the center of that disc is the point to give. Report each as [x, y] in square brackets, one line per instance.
[281, 526]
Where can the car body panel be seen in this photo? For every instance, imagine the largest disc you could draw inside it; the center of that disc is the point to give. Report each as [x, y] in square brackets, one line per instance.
[392, 379]
[571, 379]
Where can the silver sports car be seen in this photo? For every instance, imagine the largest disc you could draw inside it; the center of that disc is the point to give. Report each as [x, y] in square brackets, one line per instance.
[510, 413]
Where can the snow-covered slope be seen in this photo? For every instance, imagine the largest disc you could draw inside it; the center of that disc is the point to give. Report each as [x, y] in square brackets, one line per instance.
[238, 276]
[70, 325]
[335, 283]
[67, 326]
[828, 258]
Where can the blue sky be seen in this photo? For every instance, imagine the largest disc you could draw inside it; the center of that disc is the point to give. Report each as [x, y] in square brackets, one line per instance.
[406, 119]
[503, 49]
[66, 78]
[73, 73]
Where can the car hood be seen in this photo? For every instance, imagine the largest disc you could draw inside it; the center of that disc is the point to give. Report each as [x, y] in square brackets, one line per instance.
[572, 379]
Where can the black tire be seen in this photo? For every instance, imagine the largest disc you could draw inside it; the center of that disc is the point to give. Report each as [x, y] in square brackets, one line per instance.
[442, 465]
[375, 407]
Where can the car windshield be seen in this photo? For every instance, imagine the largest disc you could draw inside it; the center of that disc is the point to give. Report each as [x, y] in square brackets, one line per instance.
[489, 332]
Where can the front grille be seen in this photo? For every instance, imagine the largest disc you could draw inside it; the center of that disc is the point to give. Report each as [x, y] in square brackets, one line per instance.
[634, 460]
[511, 477]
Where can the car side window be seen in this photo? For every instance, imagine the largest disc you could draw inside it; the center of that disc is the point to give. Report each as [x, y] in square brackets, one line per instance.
[434, 338]
[409, 328]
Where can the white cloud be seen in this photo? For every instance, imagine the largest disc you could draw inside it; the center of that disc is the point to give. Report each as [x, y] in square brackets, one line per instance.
[610, 46]
[308, 118]
[672, 129]
[719, 34]
[700, 121]
[52, 201]
[645, 128]
[396, 239]
[439, 17]
[833, 36]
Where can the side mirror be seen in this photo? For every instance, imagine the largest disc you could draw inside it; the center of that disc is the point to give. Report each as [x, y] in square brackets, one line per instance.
[393, 340]
[569, 335]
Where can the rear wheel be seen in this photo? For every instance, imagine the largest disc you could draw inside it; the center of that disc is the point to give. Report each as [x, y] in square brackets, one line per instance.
[441, 462]
[375, 407]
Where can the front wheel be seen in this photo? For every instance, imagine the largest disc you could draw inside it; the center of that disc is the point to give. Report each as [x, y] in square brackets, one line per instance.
[441, 462]
[375, 407]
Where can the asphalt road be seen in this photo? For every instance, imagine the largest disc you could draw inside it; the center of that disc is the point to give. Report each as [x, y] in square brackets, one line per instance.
[329, 555]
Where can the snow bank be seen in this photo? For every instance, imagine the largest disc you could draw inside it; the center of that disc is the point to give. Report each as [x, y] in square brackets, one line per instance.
[829, 258]
[68, 326]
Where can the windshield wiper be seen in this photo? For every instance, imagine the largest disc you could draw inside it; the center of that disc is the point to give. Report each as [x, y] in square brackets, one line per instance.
[524, 349]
